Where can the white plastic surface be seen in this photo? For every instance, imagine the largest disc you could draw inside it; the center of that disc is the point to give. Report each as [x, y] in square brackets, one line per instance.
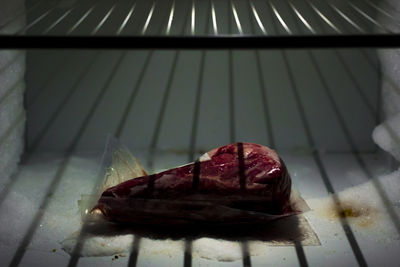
[378, 239]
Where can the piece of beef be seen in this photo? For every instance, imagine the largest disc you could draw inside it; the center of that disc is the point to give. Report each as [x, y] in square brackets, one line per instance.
[241, 182]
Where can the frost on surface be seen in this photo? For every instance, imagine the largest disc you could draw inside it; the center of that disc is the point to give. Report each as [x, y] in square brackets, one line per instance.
[62, 217]
[387, 135]
[103, 238]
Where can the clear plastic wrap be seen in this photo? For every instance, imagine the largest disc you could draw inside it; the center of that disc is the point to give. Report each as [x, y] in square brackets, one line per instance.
[119, 165]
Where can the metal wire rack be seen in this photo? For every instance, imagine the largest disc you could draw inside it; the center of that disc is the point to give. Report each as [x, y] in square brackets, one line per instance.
[213, 18]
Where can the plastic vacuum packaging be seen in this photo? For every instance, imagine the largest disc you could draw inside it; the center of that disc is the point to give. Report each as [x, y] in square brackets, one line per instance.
[236, 183]
[231, 186]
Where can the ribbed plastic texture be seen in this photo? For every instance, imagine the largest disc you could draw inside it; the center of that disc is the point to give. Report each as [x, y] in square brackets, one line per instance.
[12, 86]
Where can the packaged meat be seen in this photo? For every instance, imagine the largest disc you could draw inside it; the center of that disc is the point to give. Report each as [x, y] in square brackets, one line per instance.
[232, 184]
[229, 186]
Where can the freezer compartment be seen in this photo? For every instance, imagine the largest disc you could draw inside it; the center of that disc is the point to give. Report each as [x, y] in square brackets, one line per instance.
[317, 108]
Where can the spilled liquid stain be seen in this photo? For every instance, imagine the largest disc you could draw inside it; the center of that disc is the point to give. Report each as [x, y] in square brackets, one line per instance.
[355, 212]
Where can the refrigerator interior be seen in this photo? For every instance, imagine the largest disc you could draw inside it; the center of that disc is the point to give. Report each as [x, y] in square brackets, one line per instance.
[316, 107]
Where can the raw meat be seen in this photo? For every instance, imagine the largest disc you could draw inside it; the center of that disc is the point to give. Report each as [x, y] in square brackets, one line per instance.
[236, 183]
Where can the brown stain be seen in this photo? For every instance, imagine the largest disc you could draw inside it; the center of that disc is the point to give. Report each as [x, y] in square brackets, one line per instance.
[355, 212]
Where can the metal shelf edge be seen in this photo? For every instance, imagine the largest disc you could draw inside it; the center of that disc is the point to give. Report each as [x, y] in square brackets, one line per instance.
[200, 42]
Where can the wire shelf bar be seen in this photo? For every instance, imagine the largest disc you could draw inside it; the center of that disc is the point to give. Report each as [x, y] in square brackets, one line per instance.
[214, 18]
[128, 16]
[149, 16]
[50, 27]
[61, 18]
[323, 17]
[280, 19]
[369, 18]
[303, 20]
[75, 26]
[349, 20]
[95, 30]
[170, 19]
[237, 20]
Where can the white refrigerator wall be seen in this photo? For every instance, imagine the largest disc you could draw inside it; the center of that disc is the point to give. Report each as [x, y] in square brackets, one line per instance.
[12, 86]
